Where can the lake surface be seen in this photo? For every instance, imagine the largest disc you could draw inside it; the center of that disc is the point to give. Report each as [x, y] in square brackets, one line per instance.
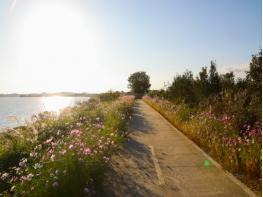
[14, 111]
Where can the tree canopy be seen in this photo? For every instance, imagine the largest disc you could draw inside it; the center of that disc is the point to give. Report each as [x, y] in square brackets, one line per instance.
[139, 82]
[239, 98]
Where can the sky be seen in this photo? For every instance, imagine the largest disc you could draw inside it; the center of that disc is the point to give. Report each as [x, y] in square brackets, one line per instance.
[93, 46]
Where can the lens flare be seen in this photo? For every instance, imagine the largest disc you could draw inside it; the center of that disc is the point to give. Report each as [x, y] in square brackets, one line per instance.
[12, 7]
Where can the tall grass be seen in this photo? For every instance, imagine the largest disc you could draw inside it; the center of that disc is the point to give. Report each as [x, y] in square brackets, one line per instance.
[63, 155]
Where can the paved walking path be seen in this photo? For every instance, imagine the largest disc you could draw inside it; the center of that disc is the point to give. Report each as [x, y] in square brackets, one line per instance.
[158, 160]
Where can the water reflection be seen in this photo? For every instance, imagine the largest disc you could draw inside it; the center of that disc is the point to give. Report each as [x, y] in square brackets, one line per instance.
[56, 103]
[15, 111]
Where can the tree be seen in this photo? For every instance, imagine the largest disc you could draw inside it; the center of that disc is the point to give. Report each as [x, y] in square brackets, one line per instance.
[214, 79]
[202, 84]
[182, 88]
[254, 75]
[228, 81]
[139, 82]
[254, 87]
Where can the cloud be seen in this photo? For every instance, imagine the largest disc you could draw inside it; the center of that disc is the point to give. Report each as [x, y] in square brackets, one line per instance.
[238, 70]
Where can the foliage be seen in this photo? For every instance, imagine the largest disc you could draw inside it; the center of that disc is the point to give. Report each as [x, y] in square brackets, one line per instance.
[214, 79]
[109, 96]
[221, 114]
[202, 84]
[139, 82]
[63, 155]
[237, 150]
[221, 93]
[182, 88]
[254, 75]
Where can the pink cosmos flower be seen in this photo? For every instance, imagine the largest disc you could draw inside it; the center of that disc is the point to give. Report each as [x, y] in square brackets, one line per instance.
[75, 132]
[87, 151]
[63, 152]
[51, 151]
[23, 178]
[106, 159]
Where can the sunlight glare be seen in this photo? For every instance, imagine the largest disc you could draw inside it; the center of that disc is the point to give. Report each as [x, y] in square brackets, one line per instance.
[56, 42]
[56, 103]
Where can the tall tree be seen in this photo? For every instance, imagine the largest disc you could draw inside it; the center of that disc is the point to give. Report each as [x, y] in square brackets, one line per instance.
[254, 75]
[228, 81]
[202, 83]
[139, 82]
[214, 79]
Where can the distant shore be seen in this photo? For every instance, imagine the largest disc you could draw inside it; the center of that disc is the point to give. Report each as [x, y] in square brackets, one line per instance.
[69, 94]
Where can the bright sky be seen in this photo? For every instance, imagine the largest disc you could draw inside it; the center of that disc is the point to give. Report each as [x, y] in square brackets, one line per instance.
[93, 46]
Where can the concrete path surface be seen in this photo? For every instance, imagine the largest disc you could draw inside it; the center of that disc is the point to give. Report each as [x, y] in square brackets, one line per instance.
[158, 160]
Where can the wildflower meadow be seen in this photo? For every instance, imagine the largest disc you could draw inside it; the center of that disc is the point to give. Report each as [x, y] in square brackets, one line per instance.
[63, 155]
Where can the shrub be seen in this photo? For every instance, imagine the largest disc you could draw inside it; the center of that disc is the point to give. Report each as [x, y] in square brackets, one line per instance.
[109, 96]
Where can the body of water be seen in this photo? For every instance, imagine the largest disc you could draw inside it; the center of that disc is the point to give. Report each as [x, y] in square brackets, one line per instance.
[14, 111]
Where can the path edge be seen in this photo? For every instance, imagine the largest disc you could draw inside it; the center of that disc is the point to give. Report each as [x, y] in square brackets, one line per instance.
[157, 166]
[215, 163]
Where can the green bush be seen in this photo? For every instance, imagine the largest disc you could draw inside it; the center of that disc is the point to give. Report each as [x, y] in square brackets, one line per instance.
[109, 96]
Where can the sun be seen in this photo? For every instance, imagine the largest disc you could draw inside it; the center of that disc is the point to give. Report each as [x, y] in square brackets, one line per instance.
[57, 40]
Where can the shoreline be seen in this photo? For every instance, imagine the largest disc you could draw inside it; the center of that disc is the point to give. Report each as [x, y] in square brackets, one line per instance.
[22, 120]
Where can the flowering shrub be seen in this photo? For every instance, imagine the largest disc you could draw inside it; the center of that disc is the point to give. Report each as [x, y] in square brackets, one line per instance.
[67, 155]
[237, 151]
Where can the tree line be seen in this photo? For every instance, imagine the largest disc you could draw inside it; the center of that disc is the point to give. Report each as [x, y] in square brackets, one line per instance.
[239, 98]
